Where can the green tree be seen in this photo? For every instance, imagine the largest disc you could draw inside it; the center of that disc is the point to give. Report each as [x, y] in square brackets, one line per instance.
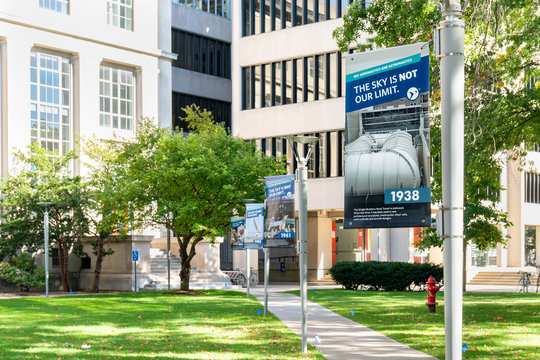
[22, 271]
[501, 100]
[192, 183]
[42, 176]
[106, 208]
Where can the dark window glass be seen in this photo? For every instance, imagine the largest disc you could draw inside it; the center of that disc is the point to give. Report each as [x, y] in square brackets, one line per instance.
[257, 86]
[201, 54]
[246, 18]
[310, 11]
[204, 55]
[288, 81]
[267, 85]
[276, 71]
[219, 109]
[246, 86]
[257, 20]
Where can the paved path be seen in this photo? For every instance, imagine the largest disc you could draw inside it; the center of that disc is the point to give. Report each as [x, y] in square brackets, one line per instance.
[340, 338]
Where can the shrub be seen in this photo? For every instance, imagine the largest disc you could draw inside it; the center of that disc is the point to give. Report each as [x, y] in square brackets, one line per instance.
[22, 271]
[390, 276]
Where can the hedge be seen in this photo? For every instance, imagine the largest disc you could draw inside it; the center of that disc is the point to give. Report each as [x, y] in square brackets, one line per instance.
[389, 276]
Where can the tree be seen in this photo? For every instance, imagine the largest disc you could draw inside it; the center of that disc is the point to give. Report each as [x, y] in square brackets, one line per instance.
[192, 183]
[106, 208]
[43, 176]
[502, 102]
[22, 271]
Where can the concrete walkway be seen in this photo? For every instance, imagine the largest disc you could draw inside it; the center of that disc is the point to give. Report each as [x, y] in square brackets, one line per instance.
[340, 338]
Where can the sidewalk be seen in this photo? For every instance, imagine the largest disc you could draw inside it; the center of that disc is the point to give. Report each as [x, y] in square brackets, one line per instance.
[340, 338]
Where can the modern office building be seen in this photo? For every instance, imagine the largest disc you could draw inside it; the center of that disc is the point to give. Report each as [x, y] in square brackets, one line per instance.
[288, 79]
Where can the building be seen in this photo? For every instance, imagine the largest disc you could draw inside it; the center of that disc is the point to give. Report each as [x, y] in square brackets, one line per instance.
[288, 79]
[72, 69]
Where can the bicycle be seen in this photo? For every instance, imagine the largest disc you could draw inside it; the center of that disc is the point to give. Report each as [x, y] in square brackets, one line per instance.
[524, 282]
[238, 277]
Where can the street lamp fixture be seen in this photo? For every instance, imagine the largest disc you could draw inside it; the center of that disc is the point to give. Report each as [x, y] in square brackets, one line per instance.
[302, 220]
[46, 206]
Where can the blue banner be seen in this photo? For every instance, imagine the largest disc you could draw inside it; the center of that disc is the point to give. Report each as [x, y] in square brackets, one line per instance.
[388, 84]
[387, 157]
[237, 232]
[254, 235]
[279, 226]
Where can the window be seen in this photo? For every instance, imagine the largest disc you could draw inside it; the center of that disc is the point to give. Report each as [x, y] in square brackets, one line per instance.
[61, 6]
[327, 159]
[216, 7]
[532, 188]
[201, 54]
[221, 110]
[259, 16]
[50, 101]
[530, 245]
[120, 13]
[116, 98]
[296, 80]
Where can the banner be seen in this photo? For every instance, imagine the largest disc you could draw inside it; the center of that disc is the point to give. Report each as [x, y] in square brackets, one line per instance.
[237, 232]
[387, 158]
[254, 226]
[279, 227]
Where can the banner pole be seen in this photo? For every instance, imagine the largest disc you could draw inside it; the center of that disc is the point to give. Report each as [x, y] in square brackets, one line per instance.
[266, 278]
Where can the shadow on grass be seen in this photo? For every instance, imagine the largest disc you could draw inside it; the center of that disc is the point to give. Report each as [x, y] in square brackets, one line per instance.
[221, 325]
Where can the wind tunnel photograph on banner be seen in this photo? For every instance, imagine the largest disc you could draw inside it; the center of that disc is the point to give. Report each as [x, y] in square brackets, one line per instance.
[387, 158]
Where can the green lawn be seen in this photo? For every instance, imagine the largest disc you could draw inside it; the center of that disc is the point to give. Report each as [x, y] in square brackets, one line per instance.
[495, 325]
[217, 325]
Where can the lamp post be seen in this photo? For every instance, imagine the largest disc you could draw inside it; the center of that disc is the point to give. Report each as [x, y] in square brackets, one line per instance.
[452, 30]
[46, 206]
[302, 220]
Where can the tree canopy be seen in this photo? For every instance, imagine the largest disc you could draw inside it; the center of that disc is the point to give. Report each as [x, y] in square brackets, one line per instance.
[192, 183]
[502, 97]
[43, 177]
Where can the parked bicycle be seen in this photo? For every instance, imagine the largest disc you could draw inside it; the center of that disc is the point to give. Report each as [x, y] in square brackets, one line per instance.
[524, 282]
[238, 277]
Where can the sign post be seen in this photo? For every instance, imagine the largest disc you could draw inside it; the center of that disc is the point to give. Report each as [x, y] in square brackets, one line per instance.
[135, 255]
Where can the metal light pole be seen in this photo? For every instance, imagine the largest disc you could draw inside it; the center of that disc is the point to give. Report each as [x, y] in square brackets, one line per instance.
[168, 259]
[46, 205]
[302, 231]
[452, 32]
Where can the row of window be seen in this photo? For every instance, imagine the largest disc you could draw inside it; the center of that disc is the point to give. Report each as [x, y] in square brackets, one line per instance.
[260, 16]
[293, 81]
[221, 110]
[327, 159]
[532, 188]
[119, 12]
[201, 54]
[216, 7]
[61, 6]
[51, 99]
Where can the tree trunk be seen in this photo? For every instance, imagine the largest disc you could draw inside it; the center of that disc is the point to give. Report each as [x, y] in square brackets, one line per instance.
[99, 261]
[63, 260]
[185, 273]
[186, 257]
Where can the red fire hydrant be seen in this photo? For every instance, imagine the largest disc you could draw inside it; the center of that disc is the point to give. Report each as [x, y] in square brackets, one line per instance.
[431, 294]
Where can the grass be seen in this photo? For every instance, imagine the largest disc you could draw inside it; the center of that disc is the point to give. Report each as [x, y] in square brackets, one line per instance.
[217, 325]
[495, 325]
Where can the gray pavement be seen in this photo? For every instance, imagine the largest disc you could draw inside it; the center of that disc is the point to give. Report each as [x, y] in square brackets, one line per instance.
[340, 338]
